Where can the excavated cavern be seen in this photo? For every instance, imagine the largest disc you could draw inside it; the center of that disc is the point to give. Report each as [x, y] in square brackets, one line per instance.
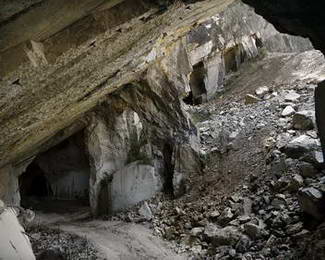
[106, 107]
[59, 175]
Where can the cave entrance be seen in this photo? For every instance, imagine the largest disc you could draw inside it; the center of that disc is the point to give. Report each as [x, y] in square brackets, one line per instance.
[198, 91]
[58, 179]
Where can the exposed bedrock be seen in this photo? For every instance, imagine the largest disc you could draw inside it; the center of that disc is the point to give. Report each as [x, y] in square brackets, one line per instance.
[113, 96]
[131, 141]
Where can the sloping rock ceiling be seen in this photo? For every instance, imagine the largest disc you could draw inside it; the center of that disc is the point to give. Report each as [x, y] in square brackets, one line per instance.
[52, 73]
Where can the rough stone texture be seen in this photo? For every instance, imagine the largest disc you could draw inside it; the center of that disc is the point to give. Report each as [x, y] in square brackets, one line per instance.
[144, 122]
[311, 201]
[303, 120]
[300, 146]
[9, 178]
[14, 244]
[121, 77]
[110, 51]
[222, 236]
[109, 139]
[251, 99]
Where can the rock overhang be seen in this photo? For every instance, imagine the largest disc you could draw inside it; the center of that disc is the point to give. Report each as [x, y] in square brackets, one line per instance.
[46, 91]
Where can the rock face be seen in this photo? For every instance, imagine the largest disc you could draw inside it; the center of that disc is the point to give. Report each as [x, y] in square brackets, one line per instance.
[121, 85]
[132, 184]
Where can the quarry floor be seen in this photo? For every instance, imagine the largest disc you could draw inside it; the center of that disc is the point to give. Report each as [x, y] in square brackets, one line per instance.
[108, 239]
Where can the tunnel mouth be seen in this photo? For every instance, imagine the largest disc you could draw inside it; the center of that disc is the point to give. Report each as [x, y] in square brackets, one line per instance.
[58, 179]
[198, 92]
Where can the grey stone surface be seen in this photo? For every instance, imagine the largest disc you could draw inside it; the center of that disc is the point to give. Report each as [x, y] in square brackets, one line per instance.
[145, 211]
[14, 244]
[132, 184]
[262, 91]
[307, 169]
[300, 146]
[311, 201]
[288, 111]
[303, 120]
[292, 96]
[251, 99]
[222, 236]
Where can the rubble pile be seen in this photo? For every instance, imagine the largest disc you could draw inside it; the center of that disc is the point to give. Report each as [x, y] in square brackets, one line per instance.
[261, 194]
[50, 243]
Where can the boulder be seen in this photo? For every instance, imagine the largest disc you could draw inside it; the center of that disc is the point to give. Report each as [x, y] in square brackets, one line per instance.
[251, 99]
[226, 216]
[311, 201]
[145, 211]
[262, 91]
[307, 170]
[300, 146]
[14, 244]
[222, 236]
[292, 96]
[197, 231]
[296, 182]
[253, 231]
[288, 111]
[315, 157]
[303, 120]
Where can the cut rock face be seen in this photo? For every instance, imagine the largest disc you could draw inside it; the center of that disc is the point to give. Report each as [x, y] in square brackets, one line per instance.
[133, 184]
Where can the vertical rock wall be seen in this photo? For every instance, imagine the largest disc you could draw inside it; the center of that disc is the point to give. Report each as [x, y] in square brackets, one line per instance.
[127, 141]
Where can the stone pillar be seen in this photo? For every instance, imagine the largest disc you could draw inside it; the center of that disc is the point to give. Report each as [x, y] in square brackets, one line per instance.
[215, 74]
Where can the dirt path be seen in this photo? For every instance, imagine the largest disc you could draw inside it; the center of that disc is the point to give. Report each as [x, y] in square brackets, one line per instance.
[114, 239]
